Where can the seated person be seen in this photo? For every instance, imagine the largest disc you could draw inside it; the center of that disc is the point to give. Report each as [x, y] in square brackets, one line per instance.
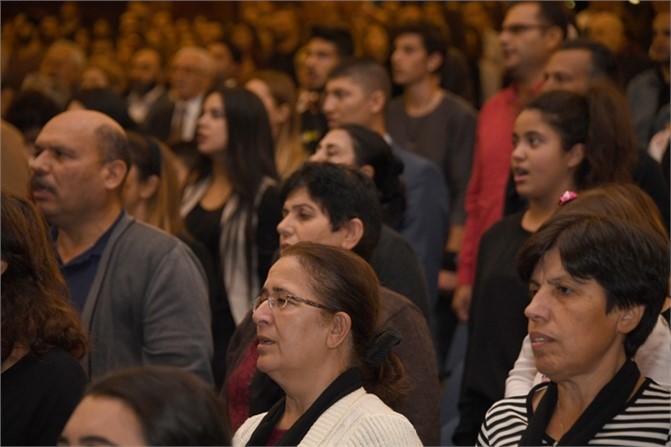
[322, 350]
[337, 206]
[591, 308]
[147, 405]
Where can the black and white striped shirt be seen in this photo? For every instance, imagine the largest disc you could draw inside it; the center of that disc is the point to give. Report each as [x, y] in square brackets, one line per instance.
[646, 421]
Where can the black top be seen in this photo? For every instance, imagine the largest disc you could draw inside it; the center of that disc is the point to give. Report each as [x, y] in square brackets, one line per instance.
[39, 394]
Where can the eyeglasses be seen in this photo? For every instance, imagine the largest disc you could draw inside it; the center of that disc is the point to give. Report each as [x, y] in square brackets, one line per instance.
[522, 28]
[281, 299]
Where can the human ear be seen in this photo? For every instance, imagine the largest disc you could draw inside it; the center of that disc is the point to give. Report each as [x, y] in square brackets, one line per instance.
[114, 174]
[353, 232]
[576, 155]
[368, 170]
[283, 112]
[630, 318]
[148, 187]
[341, 323]
[433, 62]
[377, 101]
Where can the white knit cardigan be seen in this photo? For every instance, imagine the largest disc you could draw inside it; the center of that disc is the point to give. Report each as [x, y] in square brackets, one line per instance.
[358, 419]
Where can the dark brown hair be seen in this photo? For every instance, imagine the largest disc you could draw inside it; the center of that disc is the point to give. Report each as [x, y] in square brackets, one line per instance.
[36, 312]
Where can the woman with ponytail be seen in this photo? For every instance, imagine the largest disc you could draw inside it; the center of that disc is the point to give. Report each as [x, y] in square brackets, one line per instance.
[316, 320]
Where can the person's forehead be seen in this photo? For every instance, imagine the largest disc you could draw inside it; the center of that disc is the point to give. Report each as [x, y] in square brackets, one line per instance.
[523, 13]
[409, 39]
[321, 45]
[576, 60]
[348, 83]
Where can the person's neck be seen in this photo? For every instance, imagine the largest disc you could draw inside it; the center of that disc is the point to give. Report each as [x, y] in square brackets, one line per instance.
[422, 97]
[526, 85]
[541, 208]
[666, 71]
[80, 235]
[377, 125]
[301, 393]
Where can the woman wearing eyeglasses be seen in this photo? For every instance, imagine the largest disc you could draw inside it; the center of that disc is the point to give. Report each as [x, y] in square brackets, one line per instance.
[315, 320]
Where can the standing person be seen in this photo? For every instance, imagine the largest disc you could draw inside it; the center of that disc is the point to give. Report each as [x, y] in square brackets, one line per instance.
[623, 201]
[322, 350]
[42, 335]
[173, 119]
[145, 83]
[648, 92]
[590, 309]
[531, 32]
[357, 92]
[234, 208]
[324, 50]
[141, 292]
[278, 93]
[331, 205]
[562, 141]
[430, 121]
[152, 194]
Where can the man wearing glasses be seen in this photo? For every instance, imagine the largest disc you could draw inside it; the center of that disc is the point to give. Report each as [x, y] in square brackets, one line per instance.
[530, 33]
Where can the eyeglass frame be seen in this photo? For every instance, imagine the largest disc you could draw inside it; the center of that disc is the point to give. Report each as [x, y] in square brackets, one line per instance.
[520, 28]
[272, 301]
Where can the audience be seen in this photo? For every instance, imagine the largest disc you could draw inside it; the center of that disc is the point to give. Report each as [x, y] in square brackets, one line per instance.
[75, 55]
[42, 335]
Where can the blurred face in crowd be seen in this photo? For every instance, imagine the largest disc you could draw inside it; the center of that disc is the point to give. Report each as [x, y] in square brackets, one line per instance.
[60, 63]
[607, 28]
[100, 420]
[525, 40]
[321, 56]
[277, 113]
[145, 70]
[191, 73]
[568, 70]
[347, 102]
[224, 65]
[336, 147]
[660, 49]
[212, 133]
[409, 60]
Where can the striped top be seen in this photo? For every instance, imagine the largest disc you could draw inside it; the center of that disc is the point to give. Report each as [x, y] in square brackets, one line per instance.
[645, 421]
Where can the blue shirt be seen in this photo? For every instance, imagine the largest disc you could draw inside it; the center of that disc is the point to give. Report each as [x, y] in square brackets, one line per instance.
[80, 272]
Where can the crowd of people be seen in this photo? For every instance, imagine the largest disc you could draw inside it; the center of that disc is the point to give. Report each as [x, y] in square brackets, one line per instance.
[270, 227]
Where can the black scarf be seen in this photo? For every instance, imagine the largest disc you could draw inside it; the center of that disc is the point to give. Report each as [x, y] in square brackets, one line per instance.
[606, 405]
[347, 382]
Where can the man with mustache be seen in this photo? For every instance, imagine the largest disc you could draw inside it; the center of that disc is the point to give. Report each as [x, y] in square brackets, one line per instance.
[142, 293]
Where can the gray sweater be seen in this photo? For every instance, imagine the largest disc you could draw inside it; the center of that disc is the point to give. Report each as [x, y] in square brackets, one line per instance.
[148, 304]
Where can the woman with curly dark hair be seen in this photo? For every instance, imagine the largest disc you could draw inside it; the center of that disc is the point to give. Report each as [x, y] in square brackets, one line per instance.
[42, 336]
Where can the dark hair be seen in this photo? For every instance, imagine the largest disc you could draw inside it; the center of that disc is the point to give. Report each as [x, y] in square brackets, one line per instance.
[344, 281]
[174, 406]
[597, 120]
[630, 261]
[236, 52]
[249, 155]
[36, 311]
[151, 158]
[371, 149]
[366, 72]
[550, 13]
[432, 38]
[31, 110]
[107, 101]
[341, 38]
[343, 194]
[602, 61]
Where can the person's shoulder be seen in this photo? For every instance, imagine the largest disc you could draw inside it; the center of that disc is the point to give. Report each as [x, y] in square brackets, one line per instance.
[458, 103]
